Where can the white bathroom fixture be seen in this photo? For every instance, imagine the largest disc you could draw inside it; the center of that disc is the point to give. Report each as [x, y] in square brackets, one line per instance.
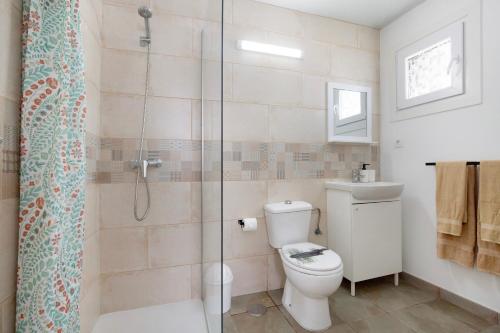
[247, 45]
[364, 228]
[375, 191]
[218, 280]
[311, 279]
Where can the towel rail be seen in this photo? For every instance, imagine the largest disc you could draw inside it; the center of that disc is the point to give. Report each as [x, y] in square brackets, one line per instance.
[468, 163]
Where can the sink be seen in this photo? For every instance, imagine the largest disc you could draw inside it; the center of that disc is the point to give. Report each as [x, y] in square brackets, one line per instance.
[368, 191]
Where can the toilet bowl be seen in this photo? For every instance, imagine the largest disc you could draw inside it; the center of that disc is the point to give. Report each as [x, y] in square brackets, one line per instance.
[311, 279]
[309, 284]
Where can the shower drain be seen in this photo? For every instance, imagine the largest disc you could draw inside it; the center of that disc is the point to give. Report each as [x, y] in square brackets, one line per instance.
[256, 310]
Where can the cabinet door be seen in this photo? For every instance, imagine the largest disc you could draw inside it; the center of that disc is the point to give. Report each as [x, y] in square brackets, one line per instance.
[376, 239]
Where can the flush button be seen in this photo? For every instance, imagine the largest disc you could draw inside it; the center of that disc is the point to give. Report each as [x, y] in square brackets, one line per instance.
[288, 202]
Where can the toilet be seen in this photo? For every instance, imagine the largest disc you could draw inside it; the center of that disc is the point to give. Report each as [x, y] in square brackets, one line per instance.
[311, 280]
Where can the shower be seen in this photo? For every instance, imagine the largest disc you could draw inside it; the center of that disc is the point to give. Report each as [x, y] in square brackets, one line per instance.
[174, 113]
[142, 164]
[147, 14]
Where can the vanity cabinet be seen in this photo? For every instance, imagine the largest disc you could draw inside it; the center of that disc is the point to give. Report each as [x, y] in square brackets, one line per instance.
[366, 234]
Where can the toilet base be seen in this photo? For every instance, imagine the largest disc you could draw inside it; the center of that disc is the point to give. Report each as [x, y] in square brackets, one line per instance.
[313, 314]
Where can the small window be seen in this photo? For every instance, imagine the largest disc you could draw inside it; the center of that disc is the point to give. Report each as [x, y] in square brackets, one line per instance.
[349, 113]
[350, 106]
[431, 68]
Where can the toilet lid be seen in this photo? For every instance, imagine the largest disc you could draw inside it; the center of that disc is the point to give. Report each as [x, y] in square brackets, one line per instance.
[328, 261]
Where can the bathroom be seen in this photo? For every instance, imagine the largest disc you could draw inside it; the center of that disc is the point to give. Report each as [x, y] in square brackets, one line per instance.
[190, 131]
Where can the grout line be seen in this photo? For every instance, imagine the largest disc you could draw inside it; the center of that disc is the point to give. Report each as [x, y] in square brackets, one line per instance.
[288, 319]
[231, 62]
[7, 299]
[415, 279]
[390, 314]
[272, 300]
[11, 99]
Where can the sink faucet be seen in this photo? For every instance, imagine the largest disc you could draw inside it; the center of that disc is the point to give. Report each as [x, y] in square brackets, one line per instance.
[356, 173]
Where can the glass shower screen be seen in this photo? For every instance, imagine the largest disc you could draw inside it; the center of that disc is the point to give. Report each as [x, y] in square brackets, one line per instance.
[211, 171]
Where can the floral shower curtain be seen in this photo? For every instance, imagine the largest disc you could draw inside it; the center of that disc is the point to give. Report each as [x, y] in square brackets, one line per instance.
[52, 180]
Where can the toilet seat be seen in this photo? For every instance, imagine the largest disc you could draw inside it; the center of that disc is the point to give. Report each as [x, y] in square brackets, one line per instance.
[327, 263]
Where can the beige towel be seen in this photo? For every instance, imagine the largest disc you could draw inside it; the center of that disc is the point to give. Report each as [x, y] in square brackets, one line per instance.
[451, 197]
[460, 249]
[488, 253]
[489, 201]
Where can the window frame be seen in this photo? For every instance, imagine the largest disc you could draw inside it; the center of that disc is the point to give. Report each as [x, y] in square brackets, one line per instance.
[455, 32]
[351, 119]
[332, 134]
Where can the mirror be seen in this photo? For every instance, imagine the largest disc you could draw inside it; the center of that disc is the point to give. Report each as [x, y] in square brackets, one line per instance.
[349, 113]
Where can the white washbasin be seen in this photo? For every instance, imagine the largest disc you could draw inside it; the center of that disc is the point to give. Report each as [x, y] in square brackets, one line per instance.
[368, 191]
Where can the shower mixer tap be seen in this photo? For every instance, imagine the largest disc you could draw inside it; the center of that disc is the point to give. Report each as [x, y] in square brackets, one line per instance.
[145, 164]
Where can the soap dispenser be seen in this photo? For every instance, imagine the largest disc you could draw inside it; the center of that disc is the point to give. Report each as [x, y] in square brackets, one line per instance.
[364, 174]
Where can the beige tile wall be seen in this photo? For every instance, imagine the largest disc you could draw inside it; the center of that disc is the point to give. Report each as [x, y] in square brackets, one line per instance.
[157, 261]
[90, 306]
[267, 99]
[10, 46]
[283, 100]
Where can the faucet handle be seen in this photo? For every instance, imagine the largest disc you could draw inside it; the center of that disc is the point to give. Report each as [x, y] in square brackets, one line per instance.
[145, 164]
[355, 175]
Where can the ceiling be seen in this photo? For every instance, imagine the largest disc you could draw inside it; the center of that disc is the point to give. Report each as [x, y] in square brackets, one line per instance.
[373, 13]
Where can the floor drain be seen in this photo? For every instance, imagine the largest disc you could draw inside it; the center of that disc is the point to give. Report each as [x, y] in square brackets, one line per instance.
[256, 310]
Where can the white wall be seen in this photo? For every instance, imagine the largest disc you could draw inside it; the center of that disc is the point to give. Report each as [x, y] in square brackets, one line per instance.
[471, 133]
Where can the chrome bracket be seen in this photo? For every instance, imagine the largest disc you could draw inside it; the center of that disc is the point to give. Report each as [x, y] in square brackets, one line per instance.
[144, 41]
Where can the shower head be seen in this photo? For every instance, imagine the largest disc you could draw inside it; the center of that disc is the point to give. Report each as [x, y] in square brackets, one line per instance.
[145, 12]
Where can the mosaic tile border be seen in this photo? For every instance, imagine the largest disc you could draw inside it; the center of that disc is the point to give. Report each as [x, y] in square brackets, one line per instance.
[108, 160]
[10, 162]
[92, 153]
[10, 149]
[242, 160]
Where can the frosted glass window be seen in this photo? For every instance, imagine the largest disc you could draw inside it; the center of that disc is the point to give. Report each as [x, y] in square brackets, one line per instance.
[431, 68]
[428, 70]
[349, 104]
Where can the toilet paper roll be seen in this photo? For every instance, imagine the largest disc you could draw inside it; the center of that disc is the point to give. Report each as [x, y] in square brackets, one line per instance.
[249, 224]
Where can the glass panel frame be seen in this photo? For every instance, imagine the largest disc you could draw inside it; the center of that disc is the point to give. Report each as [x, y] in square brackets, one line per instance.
[211, 172]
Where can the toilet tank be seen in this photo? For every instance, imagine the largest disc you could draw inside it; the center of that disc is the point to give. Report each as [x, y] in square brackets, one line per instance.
[287, 222]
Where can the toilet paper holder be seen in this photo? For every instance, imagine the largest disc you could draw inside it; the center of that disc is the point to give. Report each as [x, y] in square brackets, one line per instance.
[243, 224]
[248, 224]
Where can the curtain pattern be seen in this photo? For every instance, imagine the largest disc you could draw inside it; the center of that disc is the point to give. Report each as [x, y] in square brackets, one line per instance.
[52, 180]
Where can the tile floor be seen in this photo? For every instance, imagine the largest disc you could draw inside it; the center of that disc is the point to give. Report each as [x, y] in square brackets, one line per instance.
[379, 307]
